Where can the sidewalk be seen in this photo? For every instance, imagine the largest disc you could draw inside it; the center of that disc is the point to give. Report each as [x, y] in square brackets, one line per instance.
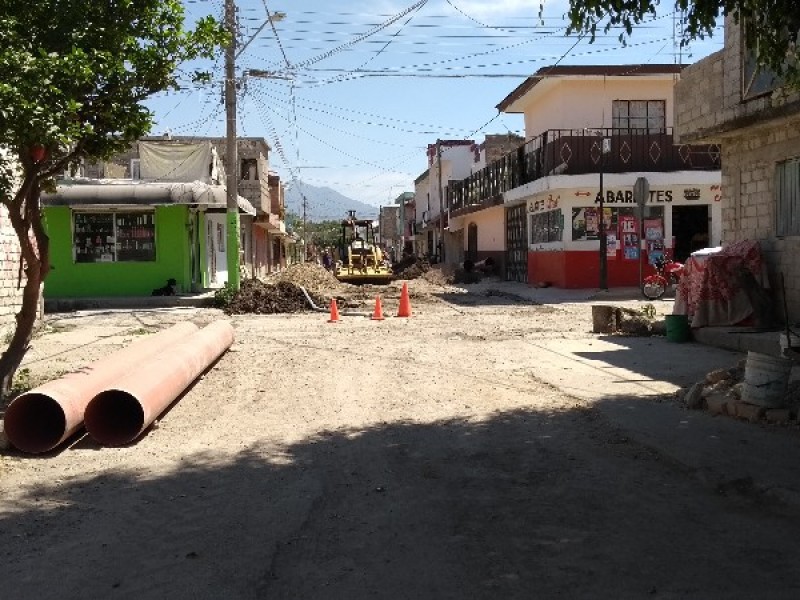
[631, 381]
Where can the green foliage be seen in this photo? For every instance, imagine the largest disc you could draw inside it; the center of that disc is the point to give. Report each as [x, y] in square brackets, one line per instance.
[75, 74]
[22, 382]
[224, 296]
[772, 25]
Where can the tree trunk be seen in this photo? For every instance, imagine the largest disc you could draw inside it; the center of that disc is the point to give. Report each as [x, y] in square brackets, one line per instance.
[25, 216]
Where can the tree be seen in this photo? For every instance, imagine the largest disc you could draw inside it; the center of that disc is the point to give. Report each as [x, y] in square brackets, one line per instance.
[772, 26]
[75, 75]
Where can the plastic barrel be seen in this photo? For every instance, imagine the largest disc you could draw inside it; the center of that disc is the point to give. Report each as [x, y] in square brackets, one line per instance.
[678, 329]
[766, 379]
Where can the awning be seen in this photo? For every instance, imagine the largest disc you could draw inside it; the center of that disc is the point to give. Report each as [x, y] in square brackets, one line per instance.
[100, 192]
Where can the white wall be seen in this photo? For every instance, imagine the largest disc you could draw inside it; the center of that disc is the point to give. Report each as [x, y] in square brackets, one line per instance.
[491, 229]
[586, 102]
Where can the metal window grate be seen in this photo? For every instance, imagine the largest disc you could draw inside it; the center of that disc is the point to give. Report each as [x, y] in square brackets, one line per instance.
[787, 214]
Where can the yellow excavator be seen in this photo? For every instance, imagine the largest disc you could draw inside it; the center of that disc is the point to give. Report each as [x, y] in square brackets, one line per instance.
[360, 258]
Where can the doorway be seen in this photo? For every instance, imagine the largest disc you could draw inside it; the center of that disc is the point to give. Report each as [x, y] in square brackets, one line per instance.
[216, 258]
[690, 228]
[472, 242]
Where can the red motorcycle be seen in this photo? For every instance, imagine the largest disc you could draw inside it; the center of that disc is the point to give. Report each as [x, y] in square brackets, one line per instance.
[667, 273]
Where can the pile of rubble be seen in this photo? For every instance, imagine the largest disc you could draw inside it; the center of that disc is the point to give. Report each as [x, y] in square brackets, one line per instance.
[258, 297]
[625, 321]
[411, 267]
[311, 276]
[721, 393]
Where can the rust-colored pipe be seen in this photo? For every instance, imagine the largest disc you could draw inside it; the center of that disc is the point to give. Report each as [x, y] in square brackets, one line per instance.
[42, 418]
[120, 414]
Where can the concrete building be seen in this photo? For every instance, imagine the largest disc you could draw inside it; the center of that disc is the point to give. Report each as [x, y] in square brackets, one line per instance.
[581, 121]
[447, 160]
[727, 99]
[129, 236]
[264, 241]
[481, 234]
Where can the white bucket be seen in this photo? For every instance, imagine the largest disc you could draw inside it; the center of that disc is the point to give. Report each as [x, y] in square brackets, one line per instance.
[766, 379]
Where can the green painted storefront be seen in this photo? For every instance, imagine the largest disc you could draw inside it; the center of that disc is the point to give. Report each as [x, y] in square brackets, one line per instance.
[71, 278]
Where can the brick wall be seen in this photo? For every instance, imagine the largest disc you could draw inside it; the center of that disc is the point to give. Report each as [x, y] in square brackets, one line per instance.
[10, 295]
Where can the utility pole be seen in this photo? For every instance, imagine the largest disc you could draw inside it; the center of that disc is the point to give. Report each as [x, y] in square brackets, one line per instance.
[231, 154]
[305, 224]
[441, 200]
[604, 145]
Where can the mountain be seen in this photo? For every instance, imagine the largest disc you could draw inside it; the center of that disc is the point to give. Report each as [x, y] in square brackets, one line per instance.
[325, 204]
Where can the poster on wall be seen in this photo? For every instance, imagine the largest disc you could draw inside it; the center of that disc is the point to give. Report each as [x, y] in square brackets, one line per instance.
[586, 223]
[630, 237]
[654, 236]
[611, 244]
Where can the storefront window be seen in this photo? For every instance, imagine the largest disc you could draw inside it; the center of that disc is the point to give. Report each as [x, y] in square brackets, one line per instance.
[546, 227]
[114, 237]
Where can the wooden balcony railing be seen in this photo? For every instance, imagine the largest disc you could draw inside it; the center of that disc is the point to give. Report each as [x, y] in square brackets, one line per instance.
[574, 152]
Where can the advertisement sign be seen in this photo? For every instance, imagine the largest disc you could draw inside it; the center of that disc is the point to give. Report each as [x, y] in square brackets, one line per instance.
[629, 232]
[654, 236]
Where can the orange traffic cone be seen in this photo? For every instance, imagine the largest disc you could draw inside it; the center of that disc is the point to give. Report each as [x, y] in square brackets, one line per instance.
[405, 304]
[334, 312]
[378, 314]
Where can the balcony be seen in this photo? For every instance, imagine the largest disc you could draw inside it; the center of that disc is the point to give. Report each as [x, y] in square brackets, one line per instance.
[575, 152]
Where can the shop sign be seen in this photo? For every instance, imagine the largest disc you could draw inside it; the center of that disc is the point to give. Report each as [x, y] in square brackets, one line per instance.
[626, 197]
[542, 204]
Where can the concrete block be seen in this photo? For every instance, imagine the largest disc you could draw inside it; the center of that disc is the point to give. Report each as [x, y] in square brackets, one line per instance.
[694, 397]
[717, 404]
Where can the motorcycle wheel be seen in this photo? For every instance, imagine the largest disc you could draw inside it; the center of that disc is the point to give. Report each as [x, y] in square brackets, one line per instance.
[654, 288]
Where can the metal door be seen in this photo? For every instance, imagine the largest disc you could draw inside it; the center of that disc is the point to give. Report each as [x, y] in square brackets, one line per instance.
[517, 243]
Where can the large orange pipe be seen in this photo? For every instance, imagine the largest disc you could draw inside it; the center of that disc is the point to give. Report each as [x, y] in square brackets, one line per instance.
[120, 414]
[39, 420]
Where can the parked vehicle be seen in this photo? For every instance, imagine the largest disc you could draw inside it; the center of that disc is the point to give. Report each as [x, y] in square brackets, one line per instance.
[667, 273]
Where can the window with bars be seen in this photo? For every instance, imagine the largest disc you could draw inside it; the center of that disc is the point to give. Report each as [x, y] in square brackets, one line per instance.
[787, 186]
[639, 117]
[546, 227]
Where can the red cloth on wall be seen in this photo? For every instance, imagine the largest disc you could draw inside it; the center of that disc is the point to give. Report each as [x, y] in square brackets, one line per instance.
[712, 293]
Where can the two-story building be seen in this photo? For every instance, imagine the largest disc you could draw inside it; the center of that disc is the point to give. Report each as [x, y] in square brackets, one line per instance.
[447, 160]
[581, 121]
[727, 99]
[131, 224]
[481, 233]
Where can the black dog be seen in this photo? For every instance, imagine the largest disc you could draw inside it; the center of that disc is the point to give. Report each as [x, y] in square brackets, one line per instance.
[168, 290]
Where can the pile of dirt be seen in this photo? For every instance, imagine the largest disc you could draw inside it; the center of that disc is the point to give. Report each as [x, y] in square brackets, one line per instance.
[440, 275]
[266, 299]
[411, 268]
[311, 276]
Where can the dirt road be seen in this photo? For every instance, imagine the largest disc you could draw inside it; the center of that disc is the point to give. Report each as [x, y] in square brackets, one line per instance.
[416, 459]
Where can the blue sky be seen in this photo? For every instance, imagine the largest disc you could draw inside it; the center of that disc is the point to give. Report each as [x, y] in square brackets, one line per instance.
[360, 88]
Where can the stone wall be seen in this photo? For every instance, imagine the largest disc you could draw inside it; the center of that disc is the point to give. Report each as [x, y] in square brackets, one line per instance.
[754, 134]
[709, 104]
[699, 96]
[749, 196]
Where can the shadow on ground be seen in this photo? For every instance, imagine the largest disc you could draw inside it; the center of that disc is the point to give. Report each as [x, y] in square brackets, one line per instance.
[652, 358]
[524, 504]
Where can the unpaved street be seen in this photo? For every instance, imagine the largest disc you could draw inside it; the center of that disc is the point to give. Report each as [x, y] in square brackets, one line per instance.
[418, 459]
